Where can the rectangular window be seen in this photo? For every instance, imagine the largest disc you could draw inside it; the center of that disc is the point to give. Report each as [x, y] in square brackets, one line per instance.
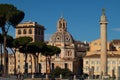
[18, 66]
[10, 70]
[114, 67]
[92, 62]
[97, 68]
[30, 66]
[40, 67]
[86, 62]
[18, 60]
[30, 60]
[52, 66]
[95, 44]
[113, 62]
[108, 62]
[87, 68]
[24, 66]
[57, 55]
[66, 66]
[108, 69]
[98, 62]
[18, 55]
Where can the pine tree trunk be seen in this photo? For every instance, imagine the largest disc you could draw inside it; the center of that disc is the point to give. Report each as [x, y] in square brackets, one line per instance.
[14, 52]
[1, 65]
[5, 57]
[14, 63]
[26, 65]
[46, 65]
[35, 63]
[49, 63]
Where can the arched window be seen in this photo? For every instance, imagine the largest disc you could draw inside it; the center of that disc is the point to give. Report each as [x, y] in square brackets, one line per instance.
[57, 55]
[66, 65]
[19, 31]
[39, 67]
[69, 53]
[30, 31]
[53, 66]
[24, 31]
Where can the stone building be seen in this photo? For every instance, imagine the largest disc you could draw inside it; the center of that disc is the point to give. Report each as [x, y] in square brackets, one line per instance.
[70, 49]
[91, 62]
[31, 29]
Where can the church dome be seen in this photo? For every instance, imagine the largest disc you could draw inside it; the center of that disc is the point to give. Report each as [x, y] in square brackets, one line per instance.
[61, 35]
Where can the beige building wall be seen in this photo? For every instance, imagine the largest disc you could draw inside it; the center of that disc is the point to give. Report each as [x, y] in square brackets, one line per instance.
[34, 30]
[96, 45]
[94, 61]
[11, 64]
[92, 58]
[20, 63]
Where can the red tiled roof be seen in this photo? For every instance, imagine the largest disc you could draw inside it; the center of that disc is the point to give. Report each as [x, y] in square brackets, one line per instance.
[117, 41]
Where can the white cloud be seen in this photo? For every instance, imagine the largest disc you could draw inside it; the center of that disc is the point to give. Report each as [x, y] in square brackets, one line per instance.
[47, 37]
[116, 29]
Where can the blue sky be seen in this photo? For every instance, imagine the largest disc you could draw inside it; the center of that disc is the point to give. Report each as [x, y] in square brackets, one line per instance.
[82, 16]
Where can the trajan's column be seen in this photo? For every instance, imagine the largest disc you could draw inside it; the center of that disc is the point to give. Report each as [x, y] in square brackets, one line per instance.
[103, 35]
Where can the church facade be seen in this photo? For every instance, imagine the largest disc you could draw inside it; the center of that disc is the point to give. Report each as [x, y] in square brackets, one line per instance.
[64, 40]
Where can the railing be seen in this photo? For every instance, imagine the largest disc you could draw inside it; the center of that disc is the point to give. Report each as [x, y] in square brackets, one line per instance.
[43, 77]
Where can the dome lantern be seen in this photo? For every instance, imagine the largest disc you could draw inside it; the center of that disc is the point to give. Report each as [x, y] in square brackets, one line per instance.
[62, 25]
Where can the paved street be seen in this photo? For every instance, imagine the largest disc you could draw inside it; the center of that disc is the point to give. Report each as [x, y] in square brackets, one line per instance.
[7, 79]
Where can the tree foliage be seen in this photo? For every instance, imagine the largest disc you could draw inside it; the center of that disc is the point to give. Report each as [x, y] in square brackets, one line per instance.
[9, 40]
[65, 72]
[35, 47]
[21, 43]
[56, 72]
[9, 14]
[51, 50]
[24, 41]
